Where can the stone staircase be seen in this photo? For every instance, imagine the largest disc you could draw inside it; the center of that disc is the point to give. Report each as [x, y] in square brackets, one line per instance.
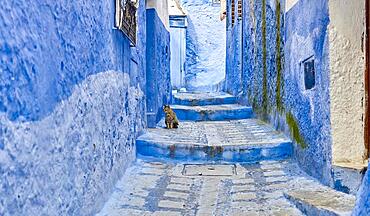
[213, 127]
[202, 168]
[215, 130]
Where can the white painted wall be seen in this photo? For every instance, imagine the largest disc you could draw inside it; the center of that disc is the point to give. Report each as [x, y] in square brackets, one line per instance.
[347, 67]
[289, 4]
[161, 6]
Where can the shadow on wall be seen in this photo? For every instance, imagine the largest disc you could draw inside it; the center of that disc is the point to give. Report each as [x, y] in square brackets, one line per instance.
[158, 83]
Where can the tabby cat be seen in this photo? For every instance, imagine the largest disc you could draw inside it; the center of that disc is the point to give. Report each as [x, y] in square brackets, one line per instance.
[171, 118]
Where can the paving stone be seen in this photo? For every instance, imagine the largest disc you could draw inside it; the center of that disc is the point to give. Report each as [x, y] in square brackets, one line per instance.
[179, 187]
[181, 180]
[278, 186]
[171, 204]
[244, 196]
[274, 173]
[152, 171]
[271, 166]
[287, 212]
[276, 179]
[125, 212]
[166, 213]
[243, 181]
[247, 187]
[208, 197]
[175, 194]
[272, 195]
[239, 212]
[209, 170]
[322, 201]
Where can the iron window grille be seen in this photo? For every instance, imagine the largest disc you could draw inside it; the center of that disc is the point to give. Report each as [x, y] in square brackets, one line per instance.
[240, 11]
[126, 18]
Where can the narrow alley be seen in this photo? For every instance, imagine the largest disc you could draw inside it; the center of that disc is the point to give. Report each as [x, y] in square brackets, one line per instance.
[185, 107]
[216, 178]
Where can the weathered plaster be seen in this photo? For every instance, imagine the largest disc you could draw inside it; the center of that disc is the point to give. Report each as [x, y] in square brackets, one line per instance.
[68, 162]
[347, 67]
[272, 76]
[70, 105]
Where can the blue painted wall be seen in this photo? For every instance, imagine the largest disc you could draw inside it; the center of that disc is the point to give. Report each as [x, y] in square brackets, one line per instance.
[205, 46]
[272, 78]
[158, 84]
[363, 197]
[71, 105]
[233, 81]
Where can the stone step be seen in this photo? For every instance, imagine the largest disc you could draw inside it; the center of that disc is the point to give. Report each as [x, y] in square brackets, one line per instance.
[246, 140]
[212, 112]
[322, 201]
[202, 99]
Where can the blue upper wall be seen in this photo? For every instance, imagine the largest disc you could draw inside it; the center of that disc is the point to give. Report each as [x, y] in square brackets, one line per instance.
[47, 48]
[275, 44]
[158, 84]
[71, 105]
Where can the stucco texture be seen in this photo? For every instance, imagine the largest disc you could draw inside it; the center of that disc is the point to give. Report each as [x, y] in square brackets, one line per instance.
[71, 105]
[205, 46]
[273, 81]
[347, 80]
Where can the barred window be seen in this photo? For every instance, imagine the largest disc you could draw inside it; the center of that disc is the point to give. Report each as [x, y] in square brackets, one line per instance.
[125, 18]
[240, 11]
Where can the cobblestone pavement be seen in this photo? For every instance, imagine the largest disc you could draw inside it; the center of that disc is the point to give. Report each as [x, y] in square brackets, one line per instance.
[217, 133]
[162, 188]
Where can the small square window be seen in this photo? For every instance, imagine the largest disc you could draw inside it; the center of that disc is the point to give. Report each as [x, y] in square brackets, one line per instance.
[216, 1]
[309, 73]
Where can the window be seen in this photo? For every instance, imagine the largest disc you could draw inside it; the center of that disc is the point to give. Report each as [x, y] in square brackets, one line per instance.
[126, 18]
[240, 11]
[309, 73]
[216, 1]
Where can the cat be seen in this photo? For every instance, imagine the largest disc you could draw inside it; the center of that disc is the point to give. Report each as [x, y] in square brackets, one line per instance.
[171, 118]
